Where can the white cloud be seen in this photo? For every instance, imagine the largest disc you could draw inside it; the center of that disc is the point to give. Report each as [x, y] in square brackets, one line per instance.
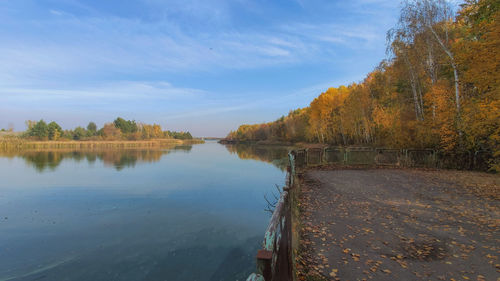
[56, 12]
[119, 91]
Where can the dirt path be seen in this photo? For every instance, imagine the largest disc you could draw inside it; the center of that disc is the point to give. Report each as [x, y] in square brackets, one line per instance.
[392, 224]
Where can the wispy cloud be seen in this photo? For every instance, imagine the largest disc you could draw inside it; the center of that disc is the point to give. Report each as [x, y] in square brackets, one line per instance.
[116, 91]
[56, 12]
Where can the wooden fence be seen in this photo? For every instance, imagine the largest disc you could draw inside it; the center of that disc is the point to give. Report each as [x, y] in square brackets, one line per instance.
[425, 158]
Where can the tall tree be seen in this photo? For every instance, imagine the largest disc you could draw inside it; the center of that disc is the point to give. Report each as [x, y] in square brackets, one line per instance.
[111, 132]
[40, 130]
[92, 128]
[125, 126]
[436, 16]
[54, 131]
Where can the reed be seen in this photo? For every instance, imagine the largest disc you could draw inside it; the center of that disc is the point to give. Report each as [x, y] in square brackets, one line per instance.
[23, 144]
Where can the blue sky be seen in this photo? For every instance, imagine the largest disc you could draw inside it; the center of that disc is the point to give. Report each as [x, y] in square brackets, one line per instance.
[199, 65]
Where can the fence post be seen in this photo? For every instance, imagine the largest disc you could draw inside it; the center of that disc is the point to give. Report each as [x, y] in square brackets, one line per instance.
[291, 160]
[264, 258]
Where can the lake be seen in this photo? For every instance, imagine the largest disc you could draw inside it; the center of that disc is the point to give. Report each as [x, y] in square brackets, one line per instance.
[183, 213]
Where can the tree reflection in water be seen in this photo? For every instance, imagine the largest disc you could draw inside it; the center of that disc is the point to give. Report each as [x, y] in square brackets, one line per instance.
[274, 154]
[118, 158]
[49, 160]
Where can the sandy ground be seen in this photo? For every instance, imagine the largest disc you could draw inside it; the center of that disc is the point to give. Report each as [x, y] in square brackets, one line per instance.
[395, 224]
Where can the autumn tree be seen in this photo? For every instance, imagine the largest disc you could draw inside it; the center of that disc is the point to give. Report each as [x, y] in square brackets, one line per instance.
[479, 58]
[111, 132]
[30, 124]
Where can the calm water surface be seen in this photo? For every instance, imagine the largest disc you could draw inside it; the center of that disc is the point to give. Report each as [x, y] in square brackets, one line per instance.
[187, 213]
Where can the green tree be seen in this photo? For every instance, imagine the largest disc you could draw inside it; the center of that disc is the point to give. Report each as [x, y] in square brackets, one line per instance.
[79, 133]
[54, 131]
[39, 130]
[125, 126]
[180, 135]
[92, 129]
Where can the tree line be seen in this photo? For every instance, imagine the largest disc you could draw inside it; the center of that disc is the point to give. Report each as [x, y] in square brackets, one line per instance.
[438, 88]
[119, 129]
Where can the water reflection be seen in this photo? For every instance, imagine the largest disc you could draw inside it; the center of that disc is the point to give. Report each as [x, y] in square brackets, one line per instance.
[276, 155]
[118, 158]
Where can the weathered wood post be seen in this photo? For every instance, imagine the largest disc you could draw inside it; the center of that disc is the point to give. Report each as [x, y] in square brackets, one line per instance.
[264, 259]
[325, 156]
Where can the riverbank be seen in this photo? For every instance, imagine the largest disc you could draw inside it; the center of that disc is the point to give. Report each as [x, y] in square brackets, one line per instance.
[300, 145]
[18, 144]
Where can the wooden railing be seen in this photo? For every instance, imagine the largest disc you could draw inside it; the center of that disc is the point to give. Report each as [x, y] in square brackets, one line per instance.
[274, 260]
[428, 158]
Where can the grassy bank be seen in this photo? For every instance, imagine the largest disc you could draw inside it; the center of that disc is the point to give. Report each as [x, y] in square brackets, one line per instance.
[23, 144]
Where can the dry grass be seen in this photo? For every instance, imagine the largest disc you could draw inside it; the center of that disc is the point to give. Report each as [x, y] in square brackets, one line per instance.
[22, 144]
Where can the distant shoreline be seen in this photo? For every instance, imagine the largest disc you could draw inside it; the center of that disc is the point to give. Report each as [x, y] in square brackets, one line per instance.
[23, 144]
[273, 143]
